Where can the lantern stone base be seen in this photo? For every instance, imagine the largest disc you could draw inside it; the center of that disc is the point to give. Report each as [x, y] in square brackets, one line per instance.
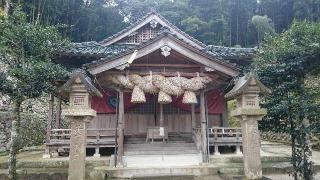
[249, 112]
[79, 112]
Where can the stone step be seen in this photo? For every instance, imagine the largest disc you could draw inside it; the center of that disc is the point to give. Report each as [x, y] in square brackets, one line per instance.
[151, 172]
[161, 152]
[162, 160]
[149, 148]
[161, 144]
[158, 141]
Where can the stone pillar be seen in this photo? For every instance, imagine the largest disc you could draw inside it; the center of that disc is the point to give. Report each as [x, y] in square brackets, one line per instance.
[251, 147]
[204, 144]
[249, 118]
[77, 157]
[120, 130]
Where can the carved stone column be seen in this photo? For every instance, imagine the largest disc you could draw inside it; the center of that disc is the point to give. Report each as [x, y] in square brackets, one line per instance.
[246, 91]
[77, 157]
[251, 147]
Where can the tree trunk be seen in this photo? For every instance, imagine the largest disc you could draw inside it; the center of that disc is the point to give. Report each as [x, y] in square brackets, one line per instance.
[7, 6]
[14, 141]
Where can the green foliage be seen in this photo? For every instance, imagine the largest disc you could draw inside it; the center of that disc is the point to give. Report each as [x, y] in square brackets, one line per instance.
[25, 50]
[263, 26]
[32, 130]
[233, 122]
[283, 63]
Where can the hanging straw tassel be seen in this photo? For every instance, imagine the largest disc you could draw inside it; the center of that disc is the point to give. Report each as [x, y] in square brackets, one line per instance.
[164, 98]
[189, 97]
[138, 95]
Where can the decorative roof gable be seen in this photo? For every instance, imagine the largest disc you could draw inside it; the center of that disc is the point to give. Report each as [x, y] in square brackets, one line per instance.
[146, 28]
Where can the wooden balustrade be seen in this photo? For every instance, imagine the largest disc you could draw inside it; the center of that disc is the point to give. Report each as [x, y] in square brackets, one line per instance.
[223, 136]
[96, 138]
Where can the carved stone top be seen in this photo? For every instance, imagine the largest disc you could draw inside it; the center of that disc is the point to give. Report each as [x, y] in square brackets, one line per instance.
[80, 79]
[248, 84]
[246, 91]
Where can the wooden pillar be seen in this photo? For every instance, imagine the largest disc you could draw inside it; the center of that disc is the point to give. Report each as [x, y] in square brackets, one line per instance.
[193, 117]
[49, 126]
[120, 130]
[203, 118]
[58, 112]
[161, 122]
[224, 116]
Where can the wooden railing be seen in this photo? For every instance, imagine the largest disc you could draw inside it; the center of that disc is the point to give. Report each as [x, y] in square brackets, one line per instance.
[224, 136]
[95, 137]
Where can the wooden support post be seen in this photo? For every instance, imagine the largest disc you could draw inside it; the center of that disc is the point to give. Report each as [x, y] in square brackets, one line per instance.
[193, 117]
[58, 113]
[203, 128]
[224, 116]
[120, 130]
[216, 147]
[97, 148]
[49, 126]
[161, 122]
[97, 153]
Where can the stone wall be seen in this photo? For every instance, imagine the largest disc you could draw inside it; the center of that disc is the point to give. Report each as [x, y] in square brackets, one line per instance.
[33, 121]
[5, 125]
[286, 139]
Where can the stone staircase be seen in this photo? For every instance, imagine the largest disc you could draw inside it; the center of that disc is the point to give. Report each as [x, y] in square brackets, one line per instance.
[180, 150]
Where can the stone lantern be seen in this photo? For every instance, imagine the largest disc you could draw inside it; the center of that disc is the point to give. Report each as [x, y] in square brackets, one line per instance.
[80, 90]
[246, 92]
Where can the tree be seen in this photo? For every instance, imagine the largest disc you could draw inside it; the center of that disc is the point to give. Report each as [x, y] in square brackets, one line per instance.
[283, 63]
[263, 26]
[25, 51]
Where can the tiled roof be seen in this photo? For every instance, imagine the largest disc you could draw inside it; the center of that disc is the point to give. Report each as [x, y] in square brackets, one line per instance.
[230, 52]
[93, 48]
[96, 49]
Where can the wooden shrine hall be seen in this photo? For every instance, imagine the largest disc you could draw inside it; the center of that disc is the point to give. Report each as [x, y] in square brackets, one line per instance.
[162, 92]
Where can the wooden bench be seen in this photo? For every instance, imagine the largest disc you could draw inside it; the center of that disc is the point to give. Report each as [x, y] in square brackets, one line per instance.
[154, 133]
